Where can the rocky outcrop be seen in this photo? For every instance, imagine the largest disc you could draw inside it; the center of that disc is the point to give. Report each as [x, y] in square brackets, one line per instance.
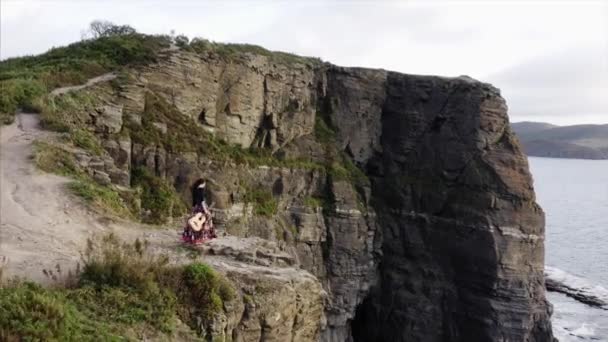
[277, 302]
[407, 197]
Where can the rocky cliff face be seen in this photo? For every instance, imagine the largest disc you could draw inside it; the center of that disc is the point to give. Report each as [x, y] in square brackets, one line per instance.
[407, 197]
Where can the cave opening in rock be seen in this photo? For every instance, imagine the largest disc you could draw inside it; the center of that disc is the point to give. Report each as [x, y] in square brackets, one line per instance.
[362, 329]
[202, 118]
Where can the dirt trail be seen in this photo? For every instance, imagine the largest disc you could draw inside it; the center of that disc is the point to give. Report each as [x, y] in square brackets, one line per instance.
[41, 223]
[92, 81]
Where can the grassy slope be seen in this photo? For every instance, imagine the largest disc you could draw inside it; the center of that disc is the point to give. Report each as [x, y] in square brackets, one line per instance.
[123, 292]
[25, 81]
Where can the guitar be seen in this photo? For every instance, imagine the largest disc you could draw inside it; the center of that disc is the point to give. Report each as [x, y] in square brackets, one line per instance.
[197, 221]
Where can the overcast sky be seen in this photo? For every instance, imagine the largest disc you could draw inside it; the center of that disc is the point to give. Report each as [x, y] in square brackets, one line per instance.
[549, 58]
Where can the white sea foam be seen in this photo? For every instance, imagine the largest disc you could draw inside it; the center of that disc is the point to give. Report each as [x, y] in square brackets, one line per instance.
[576, 287]
[584, 331]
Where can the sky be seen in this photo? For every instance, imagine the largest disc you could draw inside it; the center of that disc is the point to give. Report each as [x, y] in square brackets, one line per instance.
[549, 58]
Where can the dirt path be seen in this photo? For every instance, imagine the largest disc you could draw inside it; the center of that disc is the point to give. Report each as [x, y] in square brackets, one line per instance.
[41, 223]
[92, 81]
[38, 226]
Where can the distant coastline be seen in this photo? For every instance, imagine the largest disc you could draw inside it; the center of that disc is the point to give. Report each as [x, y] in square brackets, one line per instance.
[540, 139]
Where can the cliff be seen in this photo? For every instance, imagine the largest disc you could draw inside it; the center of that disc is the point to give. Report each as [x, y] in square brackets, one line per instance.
[407, 197]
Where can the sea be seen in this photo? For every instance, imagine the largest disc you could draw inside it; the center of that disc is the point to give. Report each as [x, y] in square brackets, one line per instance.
[574, 196]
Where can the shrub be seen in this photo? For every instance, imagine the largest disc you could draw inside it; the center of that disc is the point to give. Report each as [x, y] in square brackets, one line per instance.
[114, 263]
[181, 41]
[104, 28]
[193, 291]
[117, 291]
[123, 278]
[202, 292]
[22, 93]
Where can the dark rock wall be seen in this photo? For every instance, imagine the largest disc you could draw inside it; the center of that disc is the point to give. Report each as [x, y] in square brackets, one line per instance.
[462, 248]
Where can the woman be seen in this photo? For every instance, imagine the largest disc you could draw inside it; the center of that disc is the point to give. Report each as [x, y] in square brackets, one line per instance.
[199, 226]
[198, 193]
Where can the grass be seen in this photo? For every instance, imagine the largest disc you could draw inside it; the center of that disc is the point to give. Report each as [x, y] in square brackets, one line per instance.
[264, 204]
[20, 92]
[124, 292]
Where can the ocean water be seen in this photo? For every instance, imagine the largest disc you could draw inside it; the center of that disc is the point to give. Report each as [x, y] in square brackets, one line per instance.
[574, 196]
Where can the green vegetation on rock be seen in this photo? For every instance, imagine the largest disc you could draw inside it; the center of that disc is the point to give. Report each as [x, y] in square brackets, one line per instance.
[86, 140]
[202, 285]
[313, 202]
[157, 196]
[324, 133]
[264, 204]
[344, 169]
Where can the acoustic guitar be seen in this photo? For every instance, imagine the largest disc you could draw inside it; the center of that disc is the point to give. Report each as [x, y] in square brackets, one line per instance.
[197, 221]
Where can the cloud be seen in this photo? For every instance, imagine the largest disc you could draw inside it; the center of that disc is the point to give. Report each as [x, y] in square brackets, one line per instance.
[566, 86]
[549, 58]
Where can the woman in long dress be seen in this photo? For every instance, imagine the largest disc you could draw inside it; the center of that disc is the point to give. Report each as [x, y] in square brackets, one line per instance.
[199, 226]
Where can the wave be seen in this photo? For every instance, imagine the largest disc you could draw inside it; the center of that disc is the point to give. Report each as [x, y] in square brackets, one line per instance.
[578, 288]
